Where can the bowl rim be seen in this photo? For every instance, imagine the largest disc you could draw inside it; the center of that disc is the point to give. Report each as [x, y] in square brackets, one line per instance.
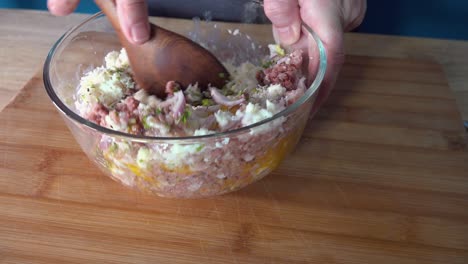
[62, 107]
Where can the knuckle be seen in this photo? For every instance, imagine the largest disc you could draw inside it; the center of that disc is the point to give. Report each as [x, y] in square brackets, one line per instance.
[276, 8]
[58, 7]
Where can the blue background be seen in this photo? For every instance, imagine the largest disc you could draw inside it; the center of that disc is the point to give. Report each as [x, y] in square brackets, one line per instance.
[423, 18]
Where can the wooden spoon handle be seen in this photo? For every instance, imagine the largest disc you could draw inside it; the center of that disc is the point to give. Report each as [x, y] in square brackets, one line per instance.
[109, 8]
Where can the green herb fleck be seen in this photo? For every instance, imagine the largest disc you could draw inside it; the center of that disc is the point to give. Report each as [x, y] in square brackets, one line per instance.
[177, 87]
[185, 116]
[113, 148]
[144, 121]
[230, 92]
[200, 147]
[116, 70]
[279, 50]
[267, 64]
[158, 111]
[207, 102]
[221, 75]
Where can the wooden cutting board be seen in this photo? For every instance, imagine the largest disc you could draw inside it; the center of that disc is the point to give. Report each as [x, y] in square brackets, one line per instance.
[380, 176]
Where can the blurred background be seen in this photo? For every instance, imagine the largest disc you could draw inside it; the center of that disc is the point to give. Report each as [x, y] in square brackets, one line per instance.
[447, 19]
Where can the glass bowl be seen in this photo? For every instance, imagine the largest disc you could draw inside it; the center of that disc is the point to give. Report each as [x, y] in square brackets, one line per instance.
[196, 166]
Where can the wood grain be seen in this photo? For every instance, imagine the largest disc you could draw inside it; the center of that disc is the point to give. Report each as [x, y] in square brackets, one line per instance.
[380, 176]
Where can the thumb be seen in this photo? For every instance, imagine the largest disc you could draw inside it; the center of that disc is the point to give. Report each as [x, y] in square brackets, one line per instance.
[284, 15]
[133, 16]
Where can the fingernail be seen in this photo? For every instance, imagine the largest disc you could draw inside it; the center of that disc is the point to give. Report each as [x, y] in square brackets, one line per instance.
[287, 35]
[140, 32]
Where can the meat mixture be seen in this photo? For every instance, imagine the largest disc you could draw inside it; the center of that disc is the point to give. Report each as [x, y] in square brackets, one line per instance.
[109, 97]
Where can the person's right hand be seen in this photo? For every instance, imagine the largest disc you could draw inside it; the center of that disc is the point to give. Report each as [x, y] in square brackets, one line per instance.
[133, 16]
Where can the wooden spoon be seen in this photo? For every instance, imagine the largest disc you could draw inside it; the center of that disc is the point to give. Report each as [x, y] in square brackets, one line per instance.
[167, 56]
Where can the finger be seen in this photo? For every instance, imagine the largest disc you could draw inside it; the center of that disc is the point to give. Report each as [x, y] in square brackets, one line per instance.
[325, 19]
[284, 15]
[62, 7]
[353, 13]
[133, 16]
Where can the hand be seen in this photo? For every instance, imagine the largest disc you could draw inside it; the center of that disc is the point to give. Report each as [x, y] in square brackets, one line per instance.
[328, 19]
[133, 16]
